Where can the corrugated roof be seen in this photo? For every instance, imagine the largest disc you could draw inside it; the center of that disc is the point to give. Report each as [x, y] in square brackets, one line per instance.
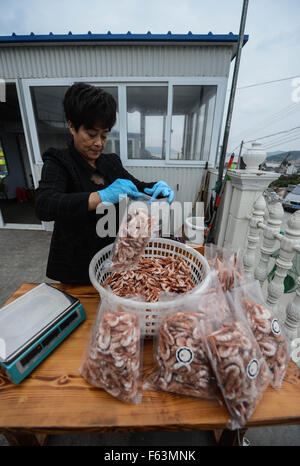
[129, 37]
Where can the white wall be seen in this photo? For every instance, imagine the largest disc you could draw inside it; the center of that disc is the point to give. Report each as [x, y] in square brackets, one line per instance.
[102, 60]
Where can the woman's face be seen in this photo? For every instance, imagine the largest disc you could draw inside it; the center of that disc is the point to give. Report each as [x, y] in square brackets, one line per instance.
[89, 142]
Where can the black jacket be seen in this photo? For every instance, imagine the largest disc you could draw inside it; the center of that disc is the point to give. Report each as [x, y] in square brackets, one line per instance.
[62, 196]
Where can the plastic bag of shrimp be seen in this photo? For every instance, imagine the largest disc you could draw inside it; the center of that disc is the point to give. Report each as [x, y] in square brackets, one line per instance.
[266, 328]
[113, 357]
[182, 364]
[228, 265]
[137, 226]
[236, 359]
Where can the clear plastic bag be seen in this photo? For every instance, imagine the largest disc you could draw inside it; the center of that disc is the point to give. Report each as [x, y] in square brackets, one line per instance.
[212, 305]
[183, 366]
[266, 328]
[236, 359]
[113, 358]
[238, 272]
[222, 261]
[136, 229]
[228, 265]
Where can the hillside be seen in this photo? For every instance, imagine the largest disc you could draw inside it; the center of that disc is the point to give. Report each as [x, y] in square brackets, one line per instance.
[279, 156]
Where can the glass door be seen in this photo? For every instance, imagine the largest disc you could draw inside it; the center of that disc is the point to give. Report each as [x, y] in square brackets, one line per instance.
[16, 177]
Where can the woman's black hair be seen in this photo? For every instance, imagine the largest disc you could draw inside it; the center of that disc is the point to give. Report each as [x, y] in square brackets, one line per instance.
[88, 105]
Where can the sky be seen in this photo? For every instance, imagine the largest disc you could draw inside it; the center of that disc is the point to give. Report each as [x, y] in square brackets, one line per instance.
[271, 54]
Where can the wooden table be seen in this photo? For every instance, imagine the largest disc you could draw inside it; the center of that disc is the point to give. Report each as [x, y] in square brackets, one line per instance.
[54, 399]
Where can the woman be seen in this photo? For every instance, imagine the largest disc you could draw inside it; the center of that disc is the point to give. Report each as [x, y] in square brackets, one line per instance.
[77, 179]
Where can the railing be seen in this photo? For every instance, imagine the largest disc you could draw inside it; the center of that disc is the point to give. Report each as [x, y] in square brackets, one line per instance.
[289, 246]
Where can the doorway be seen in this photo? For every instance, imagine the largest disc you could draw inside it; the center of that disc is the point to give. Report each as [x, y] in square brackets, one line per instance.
[16, 179]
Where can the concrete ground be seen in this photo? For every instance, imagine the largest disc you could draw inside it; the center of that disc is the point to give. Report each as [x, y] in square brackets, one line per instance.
[23, 257]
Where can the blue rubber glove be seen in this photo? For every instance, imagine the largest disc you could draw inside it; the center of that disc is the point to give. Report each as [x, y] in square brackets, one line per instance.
[161, 187]
[118, 188]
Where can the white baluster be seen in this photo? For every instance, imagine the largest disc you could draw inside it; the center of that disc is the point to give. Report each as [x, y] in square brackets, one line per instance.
[257, 217]
[274, 221]
[292, 321]
[284, 261]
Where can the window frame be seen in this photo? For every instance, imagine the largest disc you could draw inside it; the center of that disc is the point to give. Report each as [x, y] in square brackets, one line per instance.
[122, 83]
[25, 123]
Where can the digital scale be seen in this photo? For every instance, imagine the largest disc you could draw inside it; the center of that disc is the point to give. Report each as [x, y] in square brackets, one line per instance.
[32, 326]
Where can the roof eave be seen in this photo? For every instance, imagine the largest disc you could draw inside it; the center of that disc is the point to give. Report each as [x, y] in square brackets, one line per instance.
[123, 38]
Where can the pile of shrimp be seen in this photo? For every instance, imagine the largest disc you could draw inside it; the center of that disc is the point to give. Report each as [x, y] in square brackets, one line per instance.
[151, 277]
[271, 340]
[113, 360]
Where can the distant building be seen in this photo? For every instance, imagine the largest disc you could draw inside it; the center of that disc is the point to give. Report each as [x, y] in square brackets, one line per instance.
[291, 169]
[270, 166]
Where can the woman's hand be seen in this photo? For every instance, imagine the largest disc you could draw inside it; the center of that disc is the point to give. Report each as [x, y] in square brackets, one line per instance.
[118, 188]
[94, 200]
[161, 187]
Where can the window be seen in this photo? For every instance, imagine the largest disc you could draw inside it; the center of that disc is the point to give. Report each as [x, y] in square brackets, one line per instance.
[168, 121]
[192, 122]
[51, 126]
[113, 143]
[146, 122]
[50, 120]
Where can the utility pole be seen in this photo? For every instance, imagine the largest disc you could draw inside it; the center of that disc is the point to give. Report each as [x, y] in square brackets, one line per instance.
[232, 92]
[240, 155]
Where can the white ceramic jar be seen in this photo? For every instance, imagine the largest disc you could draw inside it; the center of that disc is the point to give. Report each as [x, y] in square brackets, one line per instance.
[254, 156]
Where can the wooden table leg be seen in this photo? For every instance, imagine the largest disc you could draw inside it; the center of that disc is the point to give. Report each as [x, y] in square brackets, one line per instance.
[228, 437]
[23, 438]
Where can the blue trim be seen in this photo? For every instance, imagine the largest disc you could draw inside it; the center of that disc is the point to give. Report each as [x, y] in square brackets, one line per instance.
[129, 37]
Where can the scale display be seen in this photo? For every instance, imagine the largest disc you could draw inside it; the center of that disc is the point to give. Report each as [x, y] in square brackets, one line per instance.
[32, 326]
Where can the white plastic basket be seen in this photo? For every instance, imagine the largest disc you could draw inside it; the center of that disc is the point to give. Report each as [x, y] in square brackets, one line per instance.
[156, 247]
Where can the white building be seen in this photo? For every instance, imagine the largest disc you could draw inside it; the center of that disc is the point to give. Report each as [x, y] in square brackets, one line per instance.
[170, 90]
[291, 169]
